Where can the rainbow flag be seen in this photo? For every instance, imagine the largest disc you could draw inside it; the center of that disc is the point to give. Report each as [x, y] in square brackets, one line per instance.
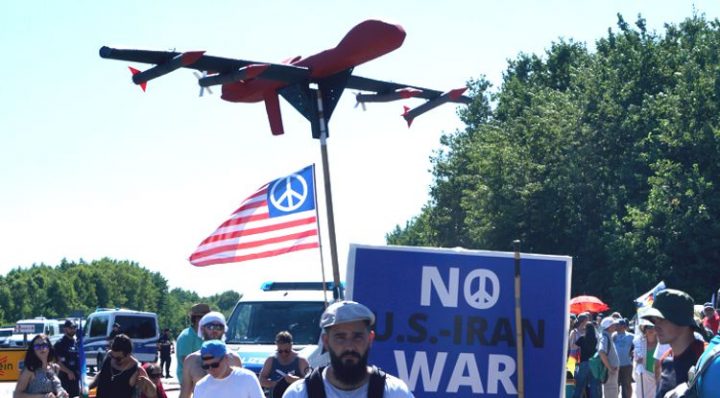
[647, 299]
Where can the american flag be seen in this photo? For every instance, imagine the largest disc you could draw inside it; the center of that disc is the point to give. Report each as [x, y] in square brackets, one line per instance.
[280, 217]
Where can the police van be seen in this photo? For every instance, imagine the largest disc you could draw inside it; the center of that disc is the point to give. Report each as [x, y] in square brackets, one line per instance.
[141, 327]
[259, 316]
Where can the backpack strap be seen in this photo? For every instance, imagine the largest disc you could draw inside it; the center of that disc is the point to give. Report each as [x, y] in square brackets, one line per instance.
[316, 389]
[376, 385]
[696, 371]
[314, 383]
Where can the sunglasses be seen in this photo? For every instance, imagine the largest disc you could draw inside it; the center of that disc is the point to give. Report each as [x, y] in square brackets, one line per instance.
[41, 346]
[213, 365]
[285, 351]
[215, 327]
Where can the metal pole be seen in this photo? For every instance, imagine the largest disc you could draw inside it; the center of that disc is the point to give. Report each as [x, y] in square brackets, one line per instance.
[518, 324]
[337, 292]
[322, 257]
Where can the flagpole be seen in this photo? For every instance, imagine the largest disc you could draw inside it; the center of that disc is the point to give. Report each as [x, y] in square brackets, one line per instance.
[337, 292]
[518, 324]
[317, 224]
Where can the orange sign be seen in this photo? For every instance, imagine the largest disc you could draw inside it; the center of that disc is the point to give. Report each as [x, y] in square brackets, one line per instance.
[11, 362]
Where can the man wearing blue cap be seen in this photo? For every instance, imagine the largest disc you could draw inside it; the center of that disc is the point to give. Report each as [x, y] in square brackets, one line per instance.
[347, 335]
[223, 380]
[212, 326]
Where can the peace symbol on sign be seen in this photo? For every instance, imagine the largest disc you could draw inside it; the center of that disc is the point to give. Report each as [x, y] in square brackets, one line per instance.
[485, 296]
[284, 196]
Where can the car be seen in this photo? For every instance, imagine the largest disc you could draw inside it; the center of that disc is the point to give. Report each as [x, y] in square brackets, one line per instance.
[260, 315]
[5, 332]
[26, 329]
[140, 326]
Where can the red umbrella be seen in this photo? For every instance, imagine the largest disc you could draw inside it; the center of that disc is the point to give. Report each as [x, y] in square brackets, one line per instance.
[587, 304]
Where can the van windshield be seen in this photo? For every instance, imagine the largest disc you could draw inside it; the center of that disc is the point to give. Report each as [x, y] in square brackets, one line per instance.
[259, 322]
[137, 327]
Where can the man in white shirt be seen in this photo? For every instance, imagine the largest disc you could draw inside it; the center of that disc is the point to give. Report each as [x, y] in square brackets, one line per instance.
[223, 380]
[348, 335]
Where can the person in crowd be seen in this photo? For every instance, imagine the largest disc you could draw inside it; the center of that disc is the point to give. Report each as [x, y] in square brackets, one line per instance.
[166, 347]
[609, 357]
[212, 326]
[66, 352]
[598, 319]
[577, 332]
[624, 347]
[711, 319]
[348, 336]
[121, 374]
[672, 315]
[155, 374]
[584, 378]
[645, 344]
[708, 378]
[39, 378]
[116, 330]
[224, 380]
[188, 341]
[284, 367]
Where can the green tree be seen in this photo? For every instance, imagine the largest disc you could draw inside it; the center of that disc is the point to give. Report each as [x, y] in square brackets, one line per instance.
[609, 156]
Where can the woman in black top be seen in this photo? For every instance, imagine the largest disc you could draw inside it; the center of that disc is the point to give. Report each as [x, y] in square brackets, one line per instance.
[121, 373]
[583, 377]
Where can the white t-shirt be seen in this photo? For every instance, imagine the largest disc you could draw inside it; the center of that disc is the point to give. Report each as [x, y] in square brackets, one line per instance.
[394, 388]
[660, 350]
[240, 383]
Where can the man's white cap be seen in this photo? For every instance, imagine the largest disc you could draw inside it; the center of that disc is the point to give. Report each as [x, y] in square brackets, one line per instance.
[211, 317]
[345, 312]
[607, 322]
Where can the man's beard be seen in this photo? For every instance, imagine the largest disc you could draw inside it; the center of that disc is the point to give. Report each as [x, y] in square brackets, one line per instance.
[349, 373]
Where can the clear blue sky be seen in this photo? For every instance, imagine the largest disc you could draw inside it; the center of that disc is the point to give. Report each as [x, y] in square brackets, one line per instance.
[90, 166]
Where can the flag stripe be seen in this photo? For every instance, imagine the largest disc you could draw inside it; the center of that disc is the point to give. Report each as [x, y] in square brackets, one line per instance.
[269, 247]
[257, 228]
[254, 243]
[251, 232]
[257, 255]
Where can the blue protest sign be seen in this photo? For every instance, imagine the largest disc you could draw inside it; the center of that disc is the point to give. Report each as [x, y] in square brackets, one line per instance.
[446, 323]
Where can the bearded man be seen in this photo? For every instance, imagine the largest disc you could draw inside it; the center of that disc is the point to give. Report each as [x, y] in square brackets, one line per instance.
[348, 335]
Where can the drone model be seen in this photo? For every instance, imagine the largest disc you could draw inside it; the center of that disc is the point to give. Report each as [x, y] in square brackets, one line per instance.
[295, 79]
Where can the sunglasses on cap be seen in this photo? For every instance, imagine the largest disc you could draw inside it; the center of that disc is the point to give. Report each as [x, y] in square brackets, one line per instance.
[213, 365]
[215, 327]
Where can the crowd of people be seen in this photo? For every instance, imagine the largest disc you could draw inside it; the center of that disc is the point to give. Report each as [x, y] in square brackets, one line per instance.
[664, 352]
[206, 368]
[661, 355]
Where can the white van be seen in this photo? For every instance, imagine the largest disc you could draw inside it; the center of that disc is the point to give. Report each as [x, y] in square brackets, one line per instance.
[259, 316]
[29, 328]
[141, 327]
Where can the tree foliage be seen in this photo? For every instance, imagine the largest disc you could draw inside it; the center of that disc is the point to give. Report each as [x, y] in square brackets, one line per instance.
[69, 287]
[610, 156]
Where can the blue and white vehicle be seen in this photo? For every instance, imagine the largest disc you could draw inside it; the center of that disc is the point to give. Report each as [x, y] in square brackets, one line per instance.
[277, 306]
[26, 329]
[141, 327]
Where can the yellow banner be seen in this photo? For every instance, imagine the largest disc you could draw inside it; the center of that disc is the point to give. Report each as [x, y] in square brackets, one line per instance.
[11, 361]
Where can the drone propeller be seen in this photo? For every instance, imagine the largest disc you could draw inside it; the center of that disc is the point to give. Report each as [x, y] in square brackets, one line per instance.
[361, 103]
[202, 89]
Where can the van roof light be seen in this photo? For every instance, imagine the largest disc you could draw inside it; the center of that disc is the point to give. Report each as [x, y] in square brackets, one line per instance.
[275, 286]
